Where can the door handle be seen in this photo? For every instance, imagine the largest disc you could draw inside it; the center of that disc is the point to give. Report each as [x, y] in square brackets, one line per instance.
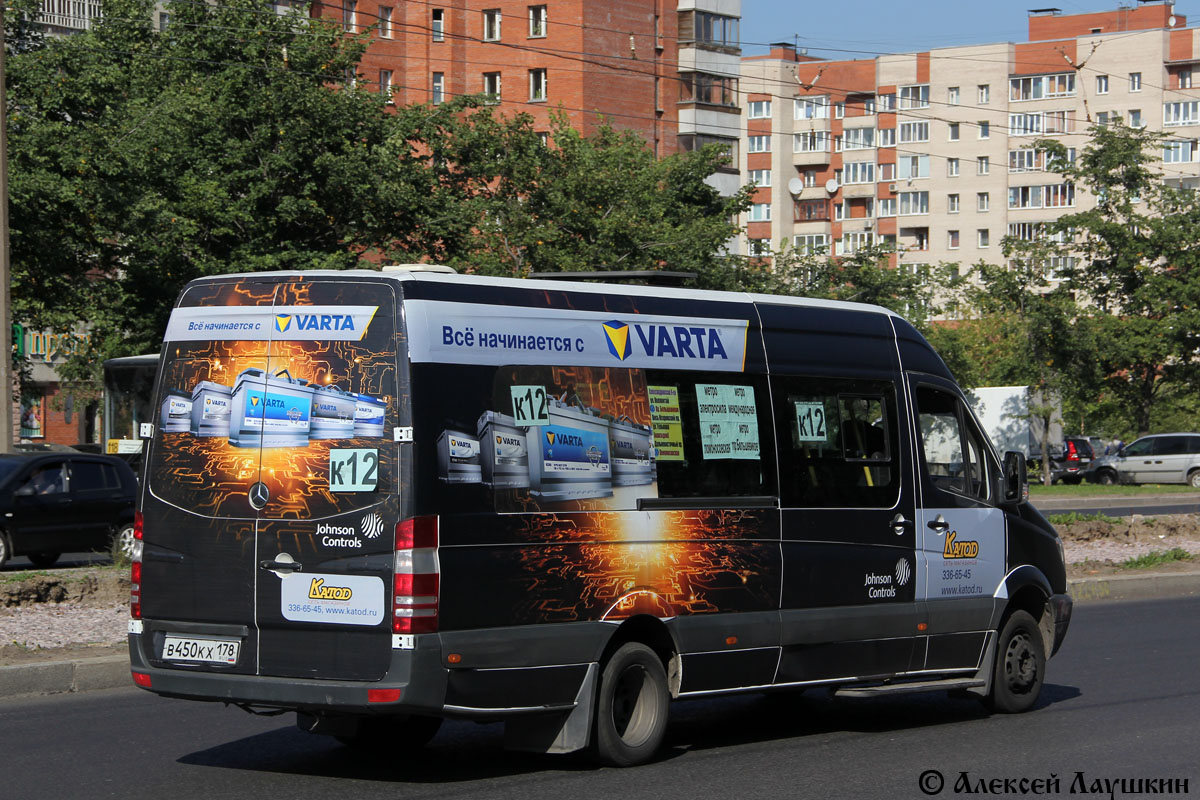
[900, 524]
[939, 524]
[281, 566]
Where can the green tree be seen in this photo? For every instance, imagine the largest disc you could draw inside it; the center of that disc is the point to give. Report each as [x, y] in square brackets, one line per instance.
[1138, 274]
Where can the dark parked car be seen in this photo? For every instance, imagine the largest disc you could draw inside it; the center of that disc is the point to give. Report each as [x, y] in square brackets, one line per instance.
[1158, 458]
[1069, 461]
[59, 502]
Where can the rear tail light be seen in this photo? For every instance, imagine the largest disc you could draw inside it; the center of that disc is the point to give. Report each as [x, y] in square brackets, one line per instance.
[417, 577]
[135, 568]
[1072, 453]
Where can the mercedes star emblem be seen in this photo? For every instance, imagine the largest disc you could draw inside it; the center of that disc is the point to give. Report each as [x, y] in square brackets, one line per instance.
[259, 494]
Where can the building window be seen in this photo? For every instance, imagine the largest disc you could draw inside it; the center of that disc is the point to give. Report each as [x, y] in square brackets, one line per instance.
[1179, 152]
[759, 247]
[1135, 118]
[759, 144]
[983, 201]
[689, 142]
[385, 83]
[760, 212]
[385, 22]
[885, 102]
[839, 110]
[985, 130]
[856, 139]
[954, 131]
[952, 96]
[1026, 160]
[1101, 84]
[810, 243]
[812, 211]
[952, 204]
[952, 167]
[984, 238]
[887, 207]
[1186, 113]
[858, 172]
[491, 25]
[439, 88]
[1185, 79]
[887, 172]
[438, 25]
[717, 30]
[914, 132]
[491, 86]
[349, 14]
[868, 106]
[913, 203]
[952, 240]
[1135, 81]
[811, 142]
[1042, 86]
[982, 165]
[759, 109]
[909, 167]
[537, 22]
[704, 87]
[810, 178]
[537, 84]
[914, 96]
[164, 20]
[811, 108]
[985, 94]
[760, 177]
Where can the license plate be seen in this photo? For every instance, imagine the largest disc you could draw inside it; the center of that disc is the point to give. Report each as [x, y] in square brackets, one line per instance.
[205, 650]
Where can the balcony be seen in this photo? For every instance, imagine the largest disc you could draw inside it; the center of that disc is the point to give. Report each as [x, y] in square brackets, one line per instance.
[856, 190]
[811, 158]
[68, 16]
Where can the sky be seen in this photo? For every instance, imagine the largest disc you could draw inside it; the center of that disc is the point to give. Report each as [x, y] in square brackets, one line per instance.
[846, 29]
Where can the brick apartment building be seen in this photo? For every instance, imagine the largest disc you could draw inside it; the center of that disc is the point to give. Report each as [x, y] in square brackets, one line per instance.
[666, 70]
[933, 150]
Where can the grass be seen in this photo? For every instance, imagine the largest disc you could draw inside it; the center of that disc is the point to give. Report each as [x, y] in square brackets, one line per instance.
[1158, 558]
[1075, 516]
[66, 574]
[1096, 490]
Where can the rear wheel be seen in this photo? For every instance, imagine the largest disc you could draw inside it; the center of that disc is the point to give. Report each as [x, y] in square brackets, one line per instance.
[46, 558]
[1194, 479]
[1106, 477]
[122, 544]
[1020, 665]
[631, 710]
[5, 549]
[392, 735]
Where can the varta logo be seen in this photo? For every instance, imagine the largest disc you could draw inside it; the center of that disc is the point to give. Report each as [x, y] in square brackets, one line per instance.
[565, 439]
[315, 322]
[550, 438]
[665, 341]
[618, 339]
[254, 399]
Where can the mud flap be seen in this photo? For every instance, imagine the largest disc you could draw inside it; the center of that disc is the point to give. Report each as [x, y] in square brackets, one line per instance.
[564, 732]
[987, 667]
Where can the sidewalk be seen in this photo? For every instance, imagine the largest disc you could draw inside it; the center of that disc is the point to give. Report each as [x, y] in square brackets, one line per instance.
[112, 672]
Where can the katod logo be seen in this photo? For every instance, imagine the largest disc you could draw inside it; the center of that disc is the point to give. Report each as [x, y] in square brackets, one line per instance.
[617, 333]
[283, 322]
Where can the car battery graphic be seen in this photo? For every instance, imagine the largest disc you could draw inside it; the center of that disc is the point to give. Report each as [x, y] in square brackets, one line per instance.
[368, 415]
[333, 413]
[570, 459]
[632, 446]
[458, 458]
[270, 410]
[176, 416]
[211, 406]
[505, 453]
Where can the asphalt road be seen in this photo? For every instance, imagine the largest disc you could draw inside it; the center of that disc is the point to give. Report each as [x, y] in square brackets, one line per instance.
[1121, 702]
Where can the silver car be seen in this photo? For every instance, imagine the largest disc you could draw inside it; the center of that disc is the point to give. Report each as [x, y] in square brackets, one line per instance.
[1159, 458]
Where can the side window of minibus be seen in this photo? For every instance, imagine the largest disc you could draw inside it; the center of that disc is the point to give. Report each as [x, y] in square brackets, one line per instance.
[838, 442]
[953, 450]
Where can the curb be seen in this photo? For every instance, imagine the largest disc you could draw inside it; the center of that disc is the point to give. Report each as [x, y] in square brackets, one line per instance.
[112, 672]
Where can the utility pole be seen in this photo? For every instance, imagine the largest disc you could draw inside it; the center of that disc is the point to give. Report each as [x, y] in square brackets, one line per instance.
[6, 354]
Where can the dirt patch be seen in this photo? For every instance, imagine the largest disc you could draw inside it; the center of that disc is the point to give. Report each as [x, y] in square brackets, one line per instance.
[91, 586]
[16, 654]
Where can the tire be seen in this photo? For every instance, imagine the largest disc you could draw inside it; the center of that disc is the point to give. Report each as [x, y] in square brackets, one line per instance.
[631, 709]
[1194, 479]
[1106, 478]
[121, 548]
[392, 736]
[5, 549]
[46, 558]
[1020, 667]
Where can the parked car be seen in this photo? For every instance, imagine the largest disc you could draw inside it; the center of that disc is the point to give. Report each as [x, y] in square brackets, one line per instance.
[1158, 458]
[1068, 461]
[57, 502]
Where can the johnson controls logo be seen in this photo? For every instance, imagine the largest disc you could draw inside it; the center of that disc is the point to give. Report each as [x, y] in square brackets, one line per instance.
[664, 341]
[903, 572]
[372, 525]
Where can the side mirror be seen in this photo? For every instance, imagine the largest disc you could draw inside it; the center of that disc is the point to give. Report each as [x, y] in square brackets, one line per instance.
[24, 491]
[1016, 478]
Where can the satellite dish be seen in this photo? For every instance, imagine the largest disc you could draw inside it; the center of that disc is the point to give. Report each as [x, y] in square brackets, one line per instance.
[1171, 21]
[831, 185]
[795, 186]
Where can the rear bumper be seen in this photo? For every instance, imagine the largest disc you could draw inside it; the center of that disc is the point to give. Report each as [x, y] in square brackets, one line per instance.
[418, 674]
[1061, 605]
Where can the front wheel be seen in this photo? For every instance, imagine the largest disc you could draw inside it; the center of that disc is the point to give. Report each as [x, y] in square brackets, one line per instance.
[5, 549]
[1106, 478]
[46, 558]
[1020, 665]
[631, 711]
[1194, 479]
